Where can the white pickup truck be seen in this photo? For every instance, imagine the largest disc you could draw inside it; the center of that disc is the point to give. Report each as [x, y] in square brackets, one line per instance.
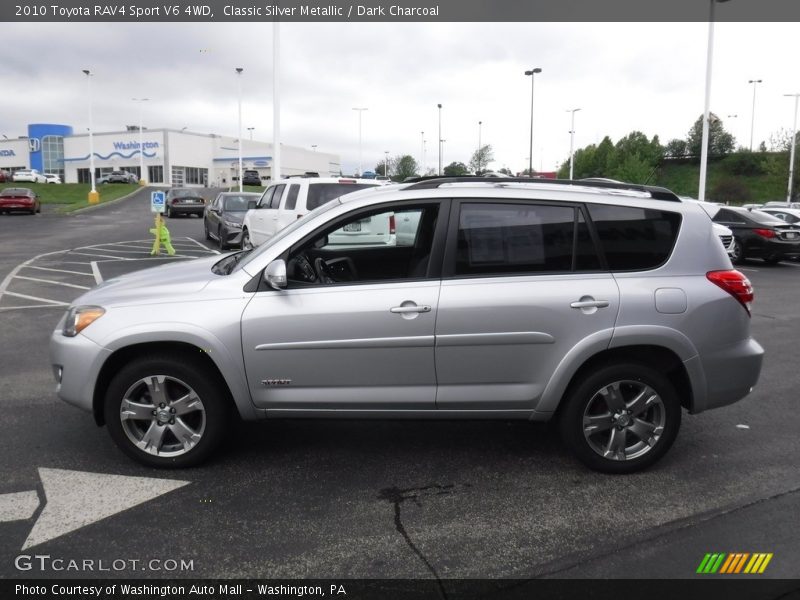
[286, 200]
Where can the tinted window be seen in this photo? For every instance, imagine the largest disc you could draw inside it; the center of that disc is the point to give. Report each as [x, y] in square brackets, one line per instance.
[236, 203]
[320, 193]
[634, 238]
[291, 199]
[728, 216]
[514, 238]
[276, 197]
[266, 197]
[586, 258]
[763, 218]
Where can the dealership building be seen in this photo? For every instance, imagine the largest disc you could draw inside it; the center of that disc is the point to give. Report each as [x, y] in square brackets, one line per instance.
[171, 157]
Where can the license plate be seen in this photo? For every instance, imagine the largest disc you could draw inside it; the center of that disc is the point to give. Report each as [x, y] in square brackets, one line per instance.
[352, 227]
[791, 235]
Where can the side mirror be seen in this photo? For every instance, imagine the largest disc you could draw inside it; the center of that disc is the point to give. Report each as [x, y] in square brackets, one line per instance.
[252, 204]
[275, 274]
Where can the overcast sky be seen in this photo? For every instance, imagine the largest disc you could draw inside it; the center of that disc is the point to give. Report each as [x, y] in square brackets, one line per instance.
[624, 77]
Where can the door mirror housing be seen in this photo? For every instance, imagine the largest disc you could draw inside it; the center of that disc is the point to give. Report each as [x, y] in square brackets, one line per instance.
[275, 274]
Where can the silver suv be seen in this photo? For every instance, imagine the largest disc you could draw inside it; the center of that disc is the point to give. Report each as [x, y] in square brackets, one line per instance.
[609, 308]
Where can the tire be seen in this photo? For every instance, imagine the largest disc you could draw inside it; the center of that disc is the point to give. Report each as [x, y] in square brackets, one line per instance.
[222, 244]
[615, 445]
[773, 260]
[205, 227]
[153, 439]
[246, 243]
[39, 208]
[168, 213]
[737, 255]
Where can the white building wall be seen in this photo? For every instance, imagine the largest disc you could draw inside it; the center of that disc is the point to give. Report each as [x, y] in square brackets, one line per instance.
[14, 154]
[113, 151]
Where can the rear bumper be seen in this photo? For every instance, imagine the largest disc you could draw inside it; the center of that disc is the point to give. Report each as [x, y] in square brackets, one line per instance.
[731, 373]
[775, 249]
[187, 209]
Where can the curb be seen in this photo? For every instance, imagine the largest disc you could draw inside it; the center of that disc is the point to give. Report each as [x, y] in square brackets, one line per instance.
[102, 204]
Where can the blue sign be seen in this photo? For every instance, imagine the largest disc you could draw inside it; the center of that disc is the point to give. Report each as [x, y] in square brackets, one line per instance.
[157, 202]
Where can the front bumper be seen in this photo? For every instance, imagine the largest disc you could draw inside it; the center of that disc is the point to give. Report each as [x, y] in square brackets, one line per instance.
[232, 237]
[78, 360]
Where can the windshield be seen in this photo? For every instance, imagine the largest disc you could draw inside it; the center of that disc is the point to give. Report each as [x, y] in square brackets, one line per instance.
[321, 193]
[244, 261]
[237, 203]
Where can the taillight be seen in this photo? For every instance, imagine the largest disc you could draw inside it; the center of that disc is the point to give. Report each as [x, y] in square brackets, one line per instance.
[735, 283]
[174, 200]
[765, 233]
[392, 227]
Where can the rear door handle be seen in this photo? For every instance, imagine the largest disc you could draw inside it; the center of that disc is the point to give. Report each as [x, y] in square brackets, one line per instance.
[590, 304]
[424, 308]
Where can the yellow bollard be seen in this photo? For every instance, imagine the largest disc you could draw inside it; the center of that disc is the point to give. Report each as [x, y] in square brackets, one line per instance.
[94, 197]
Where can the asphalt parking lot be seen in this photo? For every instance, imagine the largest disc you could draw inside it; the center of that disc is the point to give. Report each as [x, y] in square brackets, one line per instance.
[365, 498]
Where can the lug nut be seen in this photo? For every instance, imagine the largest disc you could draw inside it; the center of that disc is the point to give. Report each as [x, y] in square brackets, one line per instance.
[172, 421]
[172, 410]
[162, 405]
[154, 413]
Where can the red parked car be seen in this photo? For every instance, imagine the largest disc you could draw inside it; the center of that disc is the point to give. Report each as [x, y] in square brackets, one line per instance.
[12, 199]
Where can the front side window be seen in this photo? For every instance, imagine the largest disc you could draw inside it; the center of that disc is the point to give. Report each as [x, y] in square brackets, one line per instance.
[500, 239]
[275, 202]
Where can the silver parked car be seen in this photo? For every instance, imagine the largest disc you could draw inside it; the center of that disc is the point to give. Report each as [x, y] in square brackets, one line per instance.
[610, 308]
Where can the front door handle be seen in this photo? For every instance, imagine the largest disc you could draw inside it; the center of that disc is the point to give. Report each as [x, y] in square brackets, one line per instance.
[590, 304]
[424, 308]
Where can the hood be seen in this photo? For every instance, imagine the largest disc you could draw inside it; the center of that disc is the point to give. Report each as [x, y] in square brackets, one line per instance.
[160, 284]
[235, 216]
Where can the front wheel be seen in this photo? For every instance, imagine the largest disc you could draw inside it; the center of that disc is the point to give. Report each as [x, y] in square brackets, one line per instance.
[166, 412]
[621, 418]
[246, 243]
[205, 227]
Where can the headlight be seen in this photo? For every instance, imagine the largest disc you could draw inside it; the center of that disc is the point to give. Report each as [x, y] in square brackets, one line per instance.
[233, 224]
[80, 317]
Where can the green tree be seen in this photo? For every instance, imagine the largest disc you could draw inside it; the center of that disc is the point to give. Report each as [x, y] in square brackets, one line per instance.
[380, 168]
[506, 171]
[454, 169]
[402, 167]
[720, 142]
[676, 149]
[603, 157]
[481, 158]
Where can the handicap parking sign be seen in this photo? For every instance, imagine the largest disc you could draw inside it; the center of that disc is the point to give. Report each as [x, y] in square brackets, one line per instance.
[157, 201]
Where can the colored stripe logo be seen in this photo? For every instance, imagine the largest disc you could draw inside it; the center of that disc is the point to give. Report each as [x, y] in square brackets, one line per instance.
[734, 563]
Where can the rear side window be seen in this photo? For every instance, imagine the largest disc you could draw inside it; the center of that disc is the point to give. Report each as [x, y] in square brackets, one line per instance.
[322, 193]
[291, 198]
[635, 238]
[514, 239]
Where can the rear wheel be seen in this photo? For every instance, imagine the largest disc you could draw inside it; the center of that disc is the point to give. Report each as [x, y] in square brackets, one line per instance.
[166, 412]
[621, 418]
[168, 213]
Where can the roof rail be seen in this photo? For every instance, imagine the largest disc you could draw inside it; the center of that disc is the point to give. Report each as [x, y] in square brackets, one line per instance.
[434, 181]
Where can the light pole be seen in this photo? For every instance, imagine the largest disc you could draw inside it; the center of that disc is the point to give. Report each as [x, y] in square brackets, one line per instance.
[440, 138]
[250, 129]
[142, 178]
[441, 151]
[360, 111]
[532, 74]
[239, 84]
[478, 156]
[755, 83]
[701, 193]
[571, 140]
[791, 154]
[94, 197]
[386, 163]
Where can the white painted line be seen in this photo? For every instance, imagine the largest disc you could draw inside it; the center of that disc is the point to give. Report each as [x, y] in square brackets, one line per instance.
[139, 251]
[203, 246]
[748, 270]
[72, 285]
[15, 270]
[788, 264]
[141, 248]
[98, 278]
[26, 297]
[18, 506]
[76, 499]
[59, 270]
[7, 308]
[101, 255]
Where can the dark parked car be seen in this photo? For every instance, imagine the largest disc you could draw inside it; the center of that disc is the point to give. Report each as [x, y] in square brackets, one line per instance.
[184, 201]
[759, 235]
[118, 177]
[222, 219]
[19, 199]
[251, 178]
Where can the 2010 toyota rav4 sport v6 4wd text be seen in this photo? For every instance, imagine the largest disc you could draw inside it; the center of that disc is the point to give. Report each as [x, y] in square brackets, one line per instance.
[609, 308]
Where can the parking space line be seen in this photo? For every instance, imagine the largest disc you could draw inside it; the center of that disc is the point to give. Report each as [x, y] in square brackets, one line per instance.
[203, 246]
[98, 278]
[72, 285]
[788, 264]
[15, 270]
[26, 297]
[7, 308]
[59, 270]
[101, 255]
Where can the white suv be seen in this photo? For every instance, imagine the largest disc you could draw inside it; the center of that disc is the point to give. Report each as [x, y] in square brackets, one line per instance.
[286, 200]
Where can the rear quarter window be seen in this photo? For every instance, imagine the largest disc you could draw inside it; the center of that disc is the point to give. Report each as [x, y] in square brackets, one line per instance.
[322, 193]
[634, 238]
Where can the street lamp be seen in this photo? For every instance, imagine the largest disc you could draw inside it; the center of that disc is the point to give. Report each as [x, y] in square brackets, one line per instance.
[250, 129]
[791, 154]
[701, 193]
[441, 152]
[755, 82]
[360, 111]
[571, 140]
[440, 138]
[142, 178]
[386, 163]
[532, 74]
[239, 85]
[94, 197]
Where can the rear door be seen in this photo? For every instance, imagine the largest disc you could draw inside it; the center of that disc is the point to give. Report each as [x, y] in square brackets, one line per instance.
[522, 286]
